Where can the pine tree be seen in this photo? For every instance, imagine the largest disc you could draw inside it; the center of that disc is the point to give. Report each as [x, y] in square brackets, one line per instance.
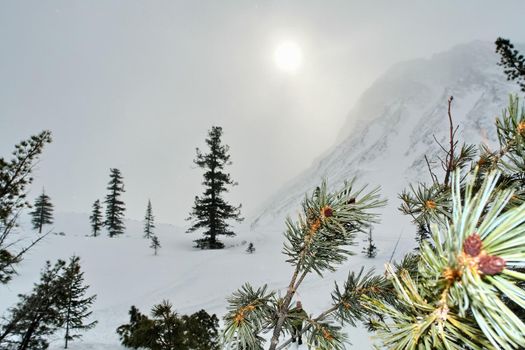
[370, 250]
[114, 205]
[166, 330]
[96, 218]
[211, 211]
[76, 305]
[465, 287]
[317, 242]
[15, 176]
[250, 248]
[155, 243]
[43, 213]
[422, 234]
[149, 222]
[37, 315]
[512, 60]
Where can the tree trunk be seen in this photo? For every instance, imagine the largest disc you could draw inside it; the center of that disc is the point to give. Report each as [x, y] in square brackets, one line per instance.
[41, 220]
[67, 324]
[27, 336]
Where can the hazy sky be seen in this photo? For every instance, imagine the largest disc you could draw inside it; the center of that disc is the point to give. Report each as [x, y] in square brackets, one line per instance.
[137, 84]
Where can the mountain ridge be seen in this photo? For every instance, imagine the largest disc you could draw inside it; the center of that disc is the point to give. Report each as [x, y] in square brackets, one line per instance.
[394, 123]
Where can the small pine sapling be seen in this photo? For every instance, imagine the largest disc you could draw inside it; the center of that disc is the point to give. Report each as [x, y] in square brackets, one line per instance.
[96, 218]
[370, 250]
[251, 248]
[155, 244]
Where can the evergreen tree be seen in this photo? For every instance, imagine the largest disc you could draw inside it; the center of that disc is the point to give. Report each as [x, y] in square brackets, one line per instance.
[138, 333]
[422, 234]
[512, 60]
[37, 315]
[155, 243]
[166, 330]
[96, 218]
[114, 205]
[149, 222]
[76, 305]
[211, 211]
[316, 242]
[15, 176]
[464, 290]
[201, 331]
[43, 213]
[250, 248]
[370, 250]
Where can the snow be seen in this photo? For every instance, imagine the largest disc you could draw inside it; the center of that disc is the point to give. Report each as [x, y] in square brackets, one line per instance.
[123, 271]
[392, 127]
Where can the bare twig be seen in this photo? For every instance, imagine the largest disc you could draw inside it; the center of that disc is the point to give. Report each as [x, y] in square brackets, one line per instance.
[450, 153]
[432, 175]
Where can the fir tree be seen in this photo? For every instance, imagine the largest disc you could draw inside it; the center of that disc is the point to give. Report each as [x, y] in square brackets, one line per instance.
[114, 205]
[210, 211]
[43, 213]
[149, 222]
[512, 60]
[250, 248]
[76, 305]
[370, 250]
[155, 243]
[15, 176]
[96, 218]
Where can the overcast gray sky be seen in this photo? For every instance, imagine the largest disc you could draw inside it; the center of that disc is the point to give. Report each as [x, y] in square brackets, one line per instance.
[137, 84]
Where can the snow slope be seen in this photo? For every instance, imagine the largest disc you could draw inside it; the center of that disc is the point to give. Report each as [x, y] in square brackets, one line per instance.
[388, 132]
[394, 123]
[123, 272]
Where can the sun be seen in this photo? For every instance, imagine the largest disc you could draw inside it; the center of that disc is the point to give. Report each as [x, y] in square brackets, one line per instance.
[288, 56]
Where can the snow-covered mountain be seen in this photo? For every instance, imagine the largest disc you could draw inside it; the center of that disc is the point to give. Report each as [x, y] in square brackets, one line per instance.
[393, 125]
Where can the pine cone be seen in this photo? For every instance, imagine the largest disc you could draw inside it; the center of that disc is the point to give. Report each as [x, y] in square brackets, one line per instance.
[327, 212]
[472, 245]
[491, 265]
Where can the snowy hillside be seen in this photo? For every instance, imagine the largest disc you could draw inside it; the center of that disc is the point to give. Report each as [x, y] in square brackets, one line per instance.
[392, 126]
[123, 272]
[387, 134]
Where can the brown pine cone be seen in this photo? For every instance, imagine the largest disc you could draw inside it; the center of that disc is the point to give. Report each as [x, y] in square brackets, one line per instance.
[328, 212]
[491, 265]
[472, 245]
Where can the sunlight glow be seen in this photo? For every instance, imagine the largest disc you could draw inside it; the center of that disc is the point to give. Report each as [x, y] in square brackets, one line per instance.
[288, 56]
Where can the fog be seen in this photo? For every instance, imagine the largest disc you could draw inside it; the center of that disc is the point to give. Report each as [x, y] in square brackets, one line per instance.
[137, 84]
